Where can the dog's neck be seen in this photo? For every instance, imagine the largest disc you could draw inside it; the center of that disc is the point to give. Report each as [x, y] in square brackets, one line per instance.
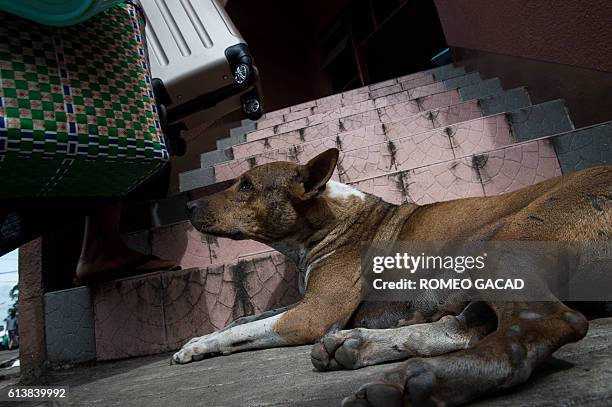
[327, 222]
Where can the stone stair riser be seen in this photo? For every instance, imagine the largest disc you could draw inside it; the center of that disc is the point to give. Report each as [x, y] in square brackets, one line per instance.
[554, 112]
[162, 311]
[324, 106]
[381, 97]
[360, 138]
[419, 77]
[387, 113]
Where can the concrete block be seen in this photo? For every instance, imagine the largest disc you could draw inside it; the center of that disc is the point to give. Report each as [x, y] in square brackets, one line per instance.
[129, 318]
[196, 178]
[544, 119]
[138, 241]
[210, 158]
[505, 101]
[481, 89]
[462, 81]
[584, 148]
[228, 142]
[159, 312]
[69, 326]
[442, 70]
[448, 71]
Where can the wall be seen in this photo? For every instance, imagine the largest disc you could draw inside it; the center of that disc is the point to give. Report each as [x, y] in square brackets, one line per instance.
[558, 49]
[587, 92]
[284, 44]
[571, 32]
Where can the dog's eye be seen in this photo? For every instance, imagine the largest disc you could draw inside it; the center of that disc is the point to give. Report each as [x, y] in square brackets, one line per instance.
[245, 186]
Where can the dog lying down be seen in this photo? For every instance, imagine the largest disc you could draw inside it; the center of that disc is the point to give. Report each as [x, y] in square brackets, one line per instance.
[460, 351]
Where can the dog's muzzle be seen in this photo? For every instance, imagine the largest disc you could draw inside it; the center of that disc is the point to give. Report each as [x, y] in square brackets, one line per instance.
[197, 217]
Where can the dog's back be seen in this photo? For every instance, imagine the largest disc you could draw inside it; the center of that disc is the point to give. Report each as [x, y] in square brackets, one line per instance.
[572, 207]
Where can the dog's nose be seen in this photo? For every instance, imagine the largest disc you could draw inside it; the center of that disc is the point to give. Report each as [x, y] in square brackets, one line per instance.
[191, 206]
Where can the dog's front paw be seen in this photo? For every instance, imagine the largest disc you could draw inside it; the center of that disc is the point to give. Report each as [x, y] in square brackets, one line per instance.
[339, 350]
[199, 348]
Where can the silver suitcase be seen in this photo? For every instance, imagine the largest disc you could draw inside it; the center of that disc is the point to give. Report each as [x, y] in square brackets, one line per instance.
[201, 66]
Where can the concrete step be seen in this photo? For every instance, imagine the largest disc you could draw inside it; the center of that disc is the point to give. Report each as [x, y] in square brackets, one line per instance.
[444, 71]
[418, 140]
[203, 176]
[378, 98]
[497, 171]
[501, 102]
[343, 123]
[362, 138]
[386, 110]
[210, 158]
[486, 174]
[197, 178]
[189, 248]
[189, 180]
[437, 74]
[159, 312]
[237, 135]
[324, 105]
[585, 147]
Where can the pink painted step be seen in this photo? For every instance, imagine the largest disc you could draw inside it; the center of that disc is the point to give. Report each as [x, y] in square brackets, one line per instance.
[490, 173]
[189, 248]
[330, 102]
[378, 98]
[161, 311]
[331, 128]
[369, 152]
[422, 149]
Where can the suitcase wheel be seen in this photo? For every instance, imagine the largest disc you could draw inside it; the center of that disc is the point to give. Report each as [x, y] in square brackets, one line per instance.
[252, 108]
[243, 74]
[177, 146]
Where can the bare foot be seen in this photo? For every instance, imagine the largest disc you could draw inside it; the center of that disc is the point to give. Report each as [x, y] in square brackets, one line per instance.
[121, 263]
[104, 254]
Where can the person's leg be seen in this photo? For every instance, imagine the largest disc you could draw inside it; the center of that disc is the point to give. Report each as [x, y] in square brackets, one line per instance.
[103, 249]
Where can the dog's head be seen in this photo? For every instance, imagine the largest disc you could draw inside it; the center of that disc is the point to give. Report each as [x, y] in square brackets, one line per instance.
[265, 202]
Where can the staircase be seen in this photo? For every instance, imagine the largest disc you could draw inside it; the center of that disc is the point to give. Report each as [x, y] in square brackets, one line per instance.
[431, 136]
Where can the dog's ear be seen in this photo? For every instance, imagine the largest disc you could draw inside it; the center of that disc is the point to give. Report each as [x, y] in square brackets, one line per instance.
[318, 171]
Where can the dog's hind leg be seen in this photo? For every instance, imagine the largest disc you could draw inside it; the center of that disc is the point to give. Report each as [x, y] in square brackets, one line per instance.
[526, 335]
[356, 348]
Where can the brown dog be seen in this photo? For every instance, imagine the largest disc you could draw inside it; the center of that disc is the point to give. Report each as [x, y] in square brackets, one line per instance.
[471, 350]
